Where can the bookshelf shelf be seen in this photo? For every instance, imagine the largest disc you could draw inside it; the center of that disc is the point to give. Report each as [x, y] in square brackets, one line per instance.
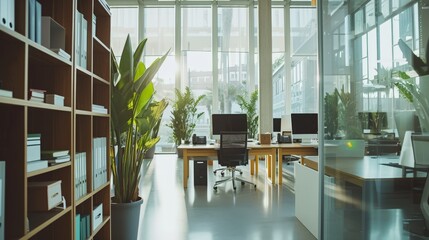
[48, 169]
[105, 221]
[10, 33]
[13, 101]
[101, 44]
[48, 106]
[29, 65]
[39, 221]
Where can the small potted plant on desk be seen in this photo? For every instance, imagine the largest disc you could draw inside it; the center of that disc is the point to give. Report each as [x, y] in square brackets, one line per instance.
[184, 116]
[134, 116]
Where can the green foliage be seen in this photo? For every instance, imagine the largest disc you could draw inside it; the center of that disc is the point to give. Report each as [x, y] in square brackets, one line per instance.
[184, 115]
[348, 120]
[404, 85]
[134, 117]
[331, 115]
[248, 105]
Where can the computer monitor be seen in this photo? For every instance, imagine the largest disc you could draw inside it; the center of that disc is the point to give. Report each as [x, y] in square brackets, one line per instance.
[406, 120]
[228, 122]
[304, 126]
[277, 124]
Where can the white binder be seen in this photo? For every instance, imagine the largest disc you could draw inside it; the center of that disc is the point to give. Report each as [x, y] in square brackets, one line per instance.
[2, 197]
[84, 44]
[7, 13]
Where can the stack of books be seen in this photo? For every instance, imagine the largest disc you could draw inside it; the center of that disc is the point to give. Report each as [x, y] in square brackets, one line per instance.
[61, 53]
[56, 156]
[5, 93]
[37, 95]
[99, 108]
[33, 153]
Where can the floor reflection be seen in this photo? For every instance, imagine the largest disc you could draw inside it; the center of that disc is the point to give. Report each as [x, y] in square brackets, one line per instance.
[170, 212]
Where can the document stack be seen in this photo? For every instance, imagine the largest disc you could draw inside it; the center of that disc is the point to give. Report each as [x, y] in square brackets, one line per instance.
[99, 162]
[61, 53]
[33, 153]
[37, 95]
[99, 108]
[5, 93]
[80, 175]
[56, 156]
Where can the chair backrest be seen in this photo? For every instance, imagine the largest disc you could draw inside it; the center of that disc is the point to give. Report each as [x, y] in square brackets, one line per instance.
[233, 149]
[421, 150]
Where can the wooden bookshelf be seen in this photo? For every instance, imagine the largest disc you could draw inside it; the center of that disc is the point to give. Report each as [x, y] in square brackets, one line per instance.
[27, 65]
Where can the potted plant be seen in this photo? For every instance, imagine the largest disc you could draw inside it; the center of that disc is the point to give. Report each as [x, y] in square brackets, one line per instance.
[184, 115]
[161, 105]
[249, 107]
[134, 116]
[348, 120]
[331, 116]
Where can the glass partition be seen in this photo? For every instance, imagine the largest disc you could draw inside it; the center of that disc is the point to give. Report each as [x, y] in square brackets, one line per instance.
[370, 66]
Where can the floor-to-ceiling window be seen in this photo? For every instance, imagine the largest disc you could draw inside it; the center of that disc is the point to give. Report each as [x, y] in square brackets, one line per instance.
[124, 23]
[214, 50]
[158, 28]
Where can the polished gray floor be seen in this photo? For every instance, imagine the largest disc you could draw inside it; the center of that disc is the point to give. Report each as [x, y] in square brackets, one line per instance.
[199, 213]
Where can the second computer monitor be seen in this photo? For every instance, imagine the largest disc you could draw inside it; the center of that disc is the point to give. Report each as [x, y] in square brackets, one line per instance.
[277, 124]
[304, 126]
[228, 123]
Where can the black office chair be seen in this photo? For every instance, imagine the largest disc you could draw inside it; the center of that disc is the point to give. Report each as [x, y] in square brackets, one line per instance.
[224, 169]
[233, 152]
[421, 157]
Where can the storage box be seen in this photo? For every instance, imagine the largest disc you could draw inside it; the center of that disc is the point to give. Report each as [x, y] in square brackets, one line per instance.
[53, 34]
[97, 216]
[43, 196]
[265, 138]
[54, 99]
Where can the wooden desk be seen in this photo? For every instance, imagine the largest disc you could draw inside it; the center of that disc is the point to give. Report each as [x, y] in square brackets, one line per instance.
[292, 149]
[371, 176]
[268, 150]
[210, 151]
[358, 170]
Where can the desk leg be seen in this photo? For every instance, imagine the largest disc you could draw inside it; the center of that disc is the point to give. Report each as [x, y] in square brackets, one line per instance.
[272, 158]
[256, 165]
[269, 165]
[185, 168]
[252, 166]
[280, 166]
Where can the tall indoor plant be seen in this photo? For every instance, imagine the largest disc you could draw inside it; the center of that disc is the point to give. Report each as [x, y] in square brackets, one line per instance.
[184, 115]
[249, 106]
[134, 114]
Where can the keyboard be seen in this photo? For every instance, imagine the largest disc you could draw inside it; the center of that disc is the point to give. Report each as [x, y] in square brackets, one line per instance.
[310, 144]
